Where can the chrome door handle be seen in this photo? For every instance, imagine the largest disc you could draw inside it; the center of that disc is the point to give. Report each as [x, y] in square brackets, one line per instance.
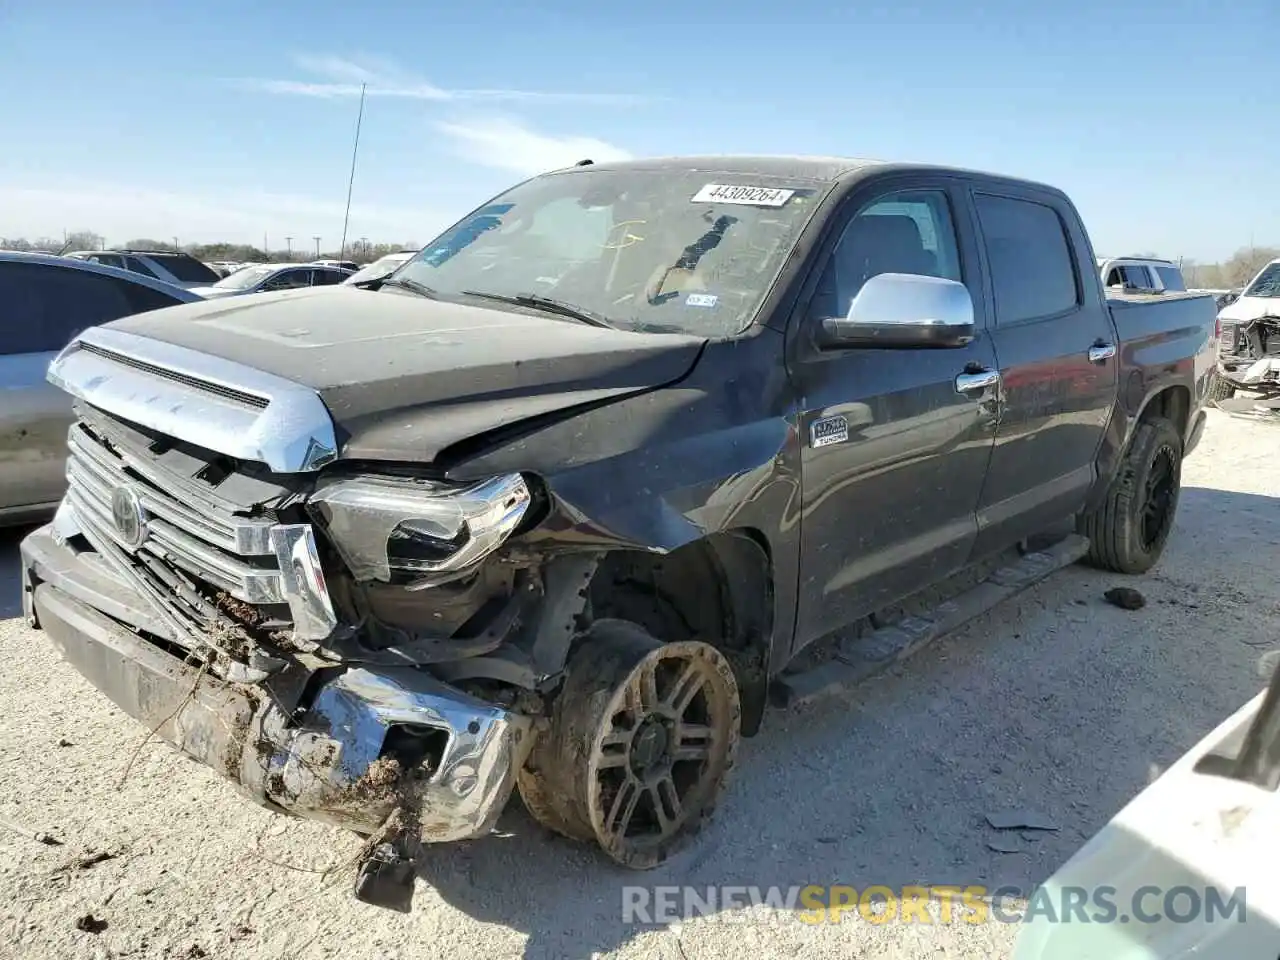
[978, 380]
[1101, 352]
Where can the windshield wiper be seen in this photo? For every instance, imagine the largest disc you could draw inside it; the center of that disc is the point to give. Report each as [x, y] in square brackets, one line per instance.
[404, 283]
[539, 302]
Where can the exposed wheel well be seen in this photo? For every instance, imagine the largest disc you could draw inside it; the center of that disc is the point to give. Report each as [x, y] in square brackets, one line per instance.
[718, 589]
[1171, 403]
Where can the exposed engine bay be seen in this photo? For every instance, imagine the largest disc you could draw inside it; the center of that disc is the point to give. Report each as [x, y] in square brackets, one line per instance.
[1249, 362]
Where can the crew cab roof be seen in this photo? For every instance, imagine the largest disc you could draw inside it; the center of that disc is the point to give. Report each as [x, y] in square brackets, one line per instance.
[820, 169]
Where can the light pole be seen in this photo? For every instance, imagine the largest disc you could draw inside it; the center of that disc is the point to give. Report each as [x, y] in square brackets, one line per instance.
[288, 245]
[346, 216]
[317, 240]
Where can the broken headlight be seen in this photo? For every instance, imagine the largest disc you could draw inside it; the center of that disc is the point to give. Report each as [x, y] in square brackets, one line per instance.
[388, 528]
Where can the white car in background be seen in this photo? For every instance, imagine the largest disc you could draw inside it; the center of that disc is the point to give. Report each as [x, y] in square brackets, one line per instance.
[1188, 867]
[382, 267]
[269, 277]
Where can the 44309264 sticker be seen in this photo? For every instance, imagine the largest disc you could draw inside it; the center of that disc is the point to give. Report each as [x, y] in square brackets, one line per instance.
[745, 194]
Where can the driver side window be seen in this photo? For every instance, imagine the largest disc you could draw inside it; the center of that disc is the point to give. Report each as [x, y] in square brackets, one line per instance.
[909, 232]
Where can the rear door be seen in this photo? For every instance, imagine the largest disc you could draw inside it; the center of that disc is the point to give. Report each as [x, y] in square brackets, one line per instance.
[893, 453]
[1056, 347]
[42, 307]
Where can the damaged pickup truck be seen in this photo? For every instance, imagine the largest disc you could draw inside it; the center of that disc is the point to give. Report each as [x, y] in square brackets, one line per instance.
[550, 507]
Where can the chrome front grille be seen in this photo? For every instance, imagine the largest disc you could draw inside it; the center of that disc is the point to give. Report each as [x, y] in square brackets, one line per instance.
[255, 560]
[231, 553]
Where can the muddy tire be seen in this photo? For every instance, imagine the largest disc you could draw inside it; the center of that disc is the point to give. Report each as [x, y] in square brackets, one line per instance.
[642, 741]
[1219, 389]
[1129, 529]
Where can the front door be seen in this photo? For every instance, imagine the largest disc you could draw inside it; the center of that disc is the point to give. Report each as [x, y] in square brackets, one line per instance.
[1057, 350]
[894, 454]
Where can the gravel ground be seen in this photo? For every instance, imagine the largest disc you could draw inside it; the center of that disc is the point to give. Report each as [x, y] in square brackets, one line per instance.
[1056, 701]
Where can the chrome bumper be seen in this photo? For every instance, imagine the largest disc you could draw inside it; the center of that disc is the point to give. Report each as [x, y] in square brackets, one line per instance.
[320, 765]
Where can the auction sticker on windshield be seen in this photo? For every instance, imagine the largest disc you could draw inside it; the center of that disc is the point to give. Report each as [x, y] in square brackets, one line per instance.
[738, 193]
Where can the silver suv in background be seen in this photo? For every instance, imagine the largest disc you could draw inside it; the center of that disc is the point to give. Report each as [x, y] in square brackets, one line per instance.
[270, 277]
[45, 301]
[171, 266]
[1142, 275]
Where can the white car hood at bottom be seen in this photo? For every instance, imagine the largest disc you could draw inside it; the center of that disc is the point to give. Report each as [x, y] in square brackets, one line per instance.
[1187, 829]
[1250, 308]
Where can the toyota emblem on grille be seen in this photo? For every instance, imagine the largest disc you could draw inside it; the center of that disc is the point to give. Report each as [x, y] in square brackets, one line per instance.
[128, 517]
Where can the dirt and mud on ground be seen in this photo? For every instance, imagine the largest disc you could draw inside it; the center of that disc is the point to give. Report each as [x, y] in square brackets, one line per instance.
[1059, 702]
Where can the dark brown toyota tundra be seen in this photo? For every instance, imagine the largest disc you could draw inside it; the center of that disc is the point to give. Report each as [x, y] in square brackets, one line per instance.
[552, 506]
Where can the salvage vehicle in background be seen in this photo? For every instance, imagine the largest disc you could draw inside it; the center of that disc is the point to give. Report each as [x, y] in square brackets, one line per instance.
[554, 505]
[272, 277]
[1249, 340]
[44, 302]
[172, 266]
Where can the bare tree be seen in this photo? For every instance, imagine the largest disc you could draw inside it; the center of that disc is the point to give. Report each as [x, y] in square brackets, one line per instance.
[1245, 263]
[84, 240]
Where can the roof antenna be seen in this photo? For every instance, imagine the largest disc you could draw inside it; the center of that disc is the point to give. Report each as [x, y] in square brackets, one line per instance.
[584, 163]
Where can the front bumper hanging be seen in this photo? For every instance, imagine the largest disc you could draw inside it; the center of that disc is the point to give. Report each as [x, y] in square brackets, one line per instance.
[341, 762]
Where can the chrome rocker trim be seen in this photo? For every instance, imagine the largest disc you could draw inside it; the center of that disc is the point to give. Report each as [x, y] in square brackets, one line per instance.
[213, 403]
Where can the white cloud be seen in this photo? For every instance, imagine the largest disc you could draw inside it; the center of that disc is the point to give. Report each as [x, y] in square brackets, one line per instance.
[121, 212]
[508, 145]
[334, 77]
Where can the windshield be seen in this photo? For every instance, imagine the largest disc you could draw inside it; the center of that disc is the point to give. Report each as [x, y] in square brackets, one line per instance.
[642, 249]
[244, 278]
[379, 268]
[1267, 283]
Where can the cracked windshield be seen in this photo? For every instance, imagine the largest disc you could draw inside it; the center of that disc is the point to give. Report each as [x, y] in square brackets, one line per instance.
[646, 250]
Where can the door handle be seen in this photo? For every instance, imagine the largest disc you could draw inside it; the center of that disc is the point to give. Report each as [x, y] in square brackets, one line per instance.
[967, 383]
[1101, 352]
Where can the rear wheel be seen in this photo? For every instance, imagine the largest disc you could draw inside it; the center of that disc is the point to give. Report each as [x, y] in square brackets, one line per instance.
[1129, 529]
[643, 737]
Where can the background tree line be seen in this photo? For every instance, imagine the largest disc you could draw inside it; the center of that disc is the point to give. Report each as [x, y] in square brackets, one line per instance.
[1231, 274]
[361, 251]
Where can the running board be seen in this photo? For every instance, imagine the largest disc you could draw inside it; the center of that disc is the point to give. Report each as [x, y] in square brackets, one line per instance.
[877, 651]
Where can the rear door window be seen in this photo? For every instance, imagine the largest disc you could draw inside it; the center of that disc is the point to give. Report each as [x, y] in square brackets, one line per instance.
[42, 307]
[138, 265]
[1171, 278]
[1033, 274]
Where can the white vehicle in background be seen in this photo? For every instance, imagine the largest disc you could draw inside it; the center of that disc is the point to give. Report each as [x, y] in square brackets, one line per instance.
[340, 264]
[382, 267]
[1261, 298]
[1141, 275]
[1188, 866]
[270, 277]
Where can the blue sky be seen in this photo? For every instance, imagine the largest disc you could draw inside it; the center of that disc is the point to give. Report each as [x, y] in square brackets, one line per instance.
[230, 120]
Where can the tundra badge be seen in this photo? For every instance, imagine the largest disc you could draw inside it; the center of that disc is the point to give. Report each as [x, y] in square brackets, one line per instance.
[828, 430]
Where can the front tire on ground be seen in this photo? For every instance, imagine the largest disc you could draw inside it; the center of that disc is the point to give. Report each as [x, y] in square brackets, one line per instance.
[1128, 530]
[642, 741]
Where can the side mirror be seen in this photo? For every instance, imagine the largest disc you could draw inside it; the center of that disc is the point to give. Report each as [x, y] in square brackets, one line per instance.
[901, 310]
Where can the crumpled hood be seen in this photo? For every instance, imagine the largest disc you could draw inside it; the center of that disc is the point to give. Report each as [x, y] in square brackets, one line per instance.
[405, 377]
[1250, 308]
